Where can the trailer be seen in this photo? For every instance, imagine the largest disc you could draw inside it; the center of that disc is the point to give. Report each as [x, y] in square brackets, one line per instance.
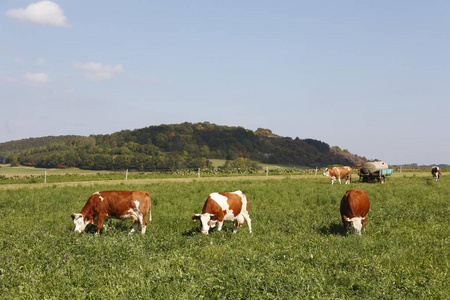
[375, 171]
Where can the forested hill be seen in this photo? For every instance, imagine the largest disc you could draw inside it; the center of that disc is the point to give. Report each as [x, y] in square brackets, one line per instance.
[172, 147]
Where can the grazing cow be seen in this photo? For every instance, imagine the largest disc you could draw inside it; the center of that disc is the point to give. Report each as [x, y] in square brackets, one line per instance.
[436, 172]
[115, 204]
[339, 172]
[354, 208]
[226, 206]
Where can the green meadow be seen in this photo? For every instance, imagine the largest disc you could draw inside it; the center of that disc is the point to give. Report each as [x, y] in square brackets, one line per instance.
[298, 248]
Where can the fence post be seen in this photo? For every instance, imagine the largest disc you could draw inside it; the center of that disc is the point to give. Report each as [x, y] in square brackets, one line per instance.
[400, 170]
[45, 177]
[267, 171]
[198, 172]
[126, 174]
[316, 171]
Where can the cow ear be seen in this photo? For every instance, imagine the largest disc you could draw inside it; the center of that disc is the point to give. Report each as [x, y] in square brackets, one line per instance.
[195, 217]
[73, 216]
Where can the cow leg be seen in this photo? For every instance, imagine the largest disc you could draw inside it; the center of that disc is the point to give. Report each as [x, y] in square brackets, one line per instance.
[143, 223]
[100, 219]
[332, 180]
[249, 222]
[105, 225]
[339, 180]
[135, 226]
[219, 227]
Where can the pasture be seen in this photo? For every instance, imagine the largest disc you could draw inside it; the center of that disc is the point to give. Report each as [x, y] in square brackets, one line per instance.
[298, 248]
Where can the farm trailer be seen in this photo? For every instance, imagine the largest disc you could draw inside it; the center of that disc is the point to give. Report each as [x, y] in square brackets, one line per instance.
[374, 171]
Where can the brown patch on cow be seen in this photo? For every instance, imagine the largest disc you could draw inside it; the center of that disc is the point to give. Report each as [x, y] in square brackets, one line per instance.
[234, 202]
[355, 203]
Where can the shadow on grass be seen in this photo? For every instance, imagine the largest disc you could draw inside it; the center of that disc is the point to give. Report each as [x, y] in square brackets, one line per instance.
[193, 231]
[110, 226]
[333, 229]
[197, 230]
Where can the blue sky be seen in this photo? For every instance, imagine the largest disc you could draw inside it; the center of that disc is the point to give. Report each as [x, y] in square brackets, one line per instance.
[368, 76]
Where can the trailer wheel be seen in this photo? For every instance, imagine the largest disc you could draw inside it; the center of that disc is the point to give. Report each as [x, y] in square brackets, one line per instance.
[382, 179]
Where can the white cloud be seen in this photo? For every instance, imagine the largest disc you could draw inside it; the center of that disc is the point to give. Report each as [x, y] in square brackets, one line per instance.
[36, 77]
[19, 60]
[43, 13]
[96, 71]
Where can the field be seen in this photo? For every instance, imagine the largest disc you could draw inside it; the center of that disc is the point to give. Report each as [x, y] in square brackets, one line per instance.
[298, 249]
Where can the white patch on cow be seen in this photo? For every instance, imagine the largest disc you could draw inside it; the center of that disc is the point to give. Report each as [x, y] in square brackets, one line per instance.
[99, 196]
[78, 220]
[356, 224]
[204, 219]
[221, 200]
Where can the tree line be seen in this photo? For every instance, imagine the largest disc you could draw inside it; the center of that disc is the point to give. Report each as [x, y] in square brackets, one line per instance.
[175, 146]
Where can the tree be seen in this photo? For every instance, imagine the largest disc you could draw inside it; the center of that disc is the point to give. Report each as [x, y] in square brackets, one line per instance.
[14, 161]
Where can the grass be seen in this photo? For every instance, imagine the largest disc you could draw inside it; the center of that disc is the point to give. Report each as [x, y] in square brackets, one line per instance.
[298, 248]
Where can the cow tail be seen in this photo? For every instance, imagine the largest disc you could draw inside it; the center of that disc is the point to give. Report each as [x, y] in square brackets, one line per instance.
[149, 209]
[150, 214]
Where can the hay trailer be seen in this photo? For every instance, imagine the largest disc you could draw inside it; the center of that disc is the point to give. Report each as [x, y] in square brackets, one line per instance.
[374, 171]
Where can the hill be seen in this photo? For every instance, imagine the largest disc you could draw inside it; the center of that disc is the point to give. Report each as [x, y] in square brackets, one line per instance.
[174, 146]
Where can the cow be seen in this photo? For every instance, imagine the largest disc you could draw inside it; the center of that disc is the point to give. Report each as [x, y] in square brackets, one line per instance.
[114, 204]
[339, 172]
[436, 172]
[224, 206]
[355, 205]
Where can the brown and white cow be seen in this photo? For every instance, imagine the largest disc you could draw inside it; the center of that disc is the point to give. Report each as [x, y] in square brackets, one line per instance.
[339, 172]
[224, 206]
[436, 172]
[115, 204]
[355, 205]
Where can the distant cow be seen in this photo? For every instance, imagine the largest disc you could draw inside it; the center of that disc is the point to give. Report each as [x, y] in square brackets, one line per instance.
[115, 204]
[339, 172]
[436, 172]
[354, 208]
[225, 206]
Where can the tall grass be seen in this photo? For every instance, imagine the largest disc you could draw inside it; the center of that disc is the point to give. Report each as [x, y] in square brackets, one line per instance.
[298, 248]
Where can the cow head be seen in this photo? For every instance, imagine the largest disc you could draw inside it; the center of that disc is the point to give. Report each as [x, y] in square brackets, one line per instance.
[355, 224]
[80, 223]
[206, 221]
[326, 172]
